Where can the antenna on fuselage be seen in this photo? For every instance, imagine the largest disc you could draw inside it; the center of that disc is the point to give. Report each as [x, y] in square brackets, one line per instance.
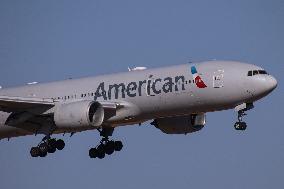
[140, 68]
[32, 83]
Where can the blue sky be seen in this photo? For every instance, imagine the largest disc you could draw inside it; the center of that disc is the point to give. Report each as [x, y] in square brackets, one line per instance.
[53, 40]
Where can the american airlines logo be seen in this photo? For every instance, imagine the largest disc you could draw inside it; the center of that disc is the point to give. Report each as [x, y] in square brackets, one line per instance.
[151, 87]
[198, 81]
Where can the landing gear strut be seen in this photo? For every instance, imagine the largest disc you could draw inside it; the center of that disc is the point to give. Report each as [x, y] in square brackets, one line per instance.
[240, 124]
[47, 145]
[106, 146]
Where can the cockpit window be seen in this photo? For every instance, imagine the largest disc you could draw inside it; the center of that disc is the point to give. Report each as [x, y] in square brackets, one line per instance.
[262, 72]
[256, 72]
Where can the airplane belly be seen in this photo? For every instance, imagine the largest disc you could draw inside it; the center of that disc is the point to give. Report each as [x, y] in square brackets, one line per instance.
[176, 104]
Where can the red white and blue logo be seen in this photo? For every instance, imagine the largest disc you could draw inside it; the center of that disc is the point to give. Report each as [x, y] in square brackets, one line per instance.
[197, 79]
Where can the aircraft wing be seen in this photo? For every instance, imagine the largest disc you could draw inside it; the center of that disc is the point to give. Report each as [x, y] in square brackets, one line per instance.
[28, 113]
[20, 104]
[25, 109]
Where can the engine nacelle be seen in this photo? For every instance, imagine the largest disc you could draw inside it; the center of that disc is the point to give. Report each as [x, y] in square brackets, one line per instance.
[79, 114]
[181, 124]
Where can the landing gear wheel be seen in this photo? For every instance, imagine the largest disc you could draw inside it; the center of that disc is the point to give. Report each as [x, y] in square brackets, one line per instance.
[43, 147]
[93, 152]
[43, 154]
[240, 126]
[52, 143]
[35, 151]
[51, 149]
[60, 144]
[109, 147]
[101, 151]
[244, 126]
[118, 146]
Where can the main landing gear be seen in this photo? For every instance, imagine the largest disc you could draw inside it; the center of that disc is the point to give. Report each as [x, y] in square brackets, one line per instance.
[106, 146]
[47, 145]
[240, 125]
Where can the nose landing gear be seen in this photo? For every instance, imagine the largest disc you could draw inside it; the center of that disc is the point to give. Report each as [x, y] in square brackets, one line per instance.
[240, 125]
[106, 146]
[47, 145]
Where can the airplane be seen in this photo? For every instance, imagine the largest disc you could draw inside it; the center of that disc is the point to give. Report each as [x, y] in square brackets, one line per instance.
[176, 98]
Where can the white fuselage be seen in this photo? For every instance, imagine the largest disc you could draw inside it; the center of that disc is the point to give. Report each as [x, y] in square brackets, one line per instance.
[152, 93]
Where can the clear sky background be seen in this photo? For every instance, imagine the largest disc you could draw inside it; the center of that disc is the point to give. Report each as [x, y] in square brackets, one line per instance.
[53, 40]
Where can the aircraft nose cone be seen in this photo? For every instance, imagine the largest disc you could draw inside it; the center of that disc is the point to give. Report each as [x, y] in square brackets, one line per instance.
[271, 83]
[264, 85]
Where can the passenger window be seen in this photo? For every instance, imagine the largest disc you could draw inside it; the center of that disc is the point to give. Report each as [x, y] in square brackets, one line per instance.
[250, 73]
[255, 72]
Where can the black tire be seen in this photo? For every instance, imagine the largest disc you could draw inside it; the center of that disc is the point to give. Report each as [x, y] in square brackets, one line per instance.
[34, 151]
[43, 154]
[51, 149]
[237, 126]
[109, 147]
[52, 143]
[93, 152]
[243, 126]
[60, 144]
[43, 147]
[101, 151]
[101, 155]
[118, 146]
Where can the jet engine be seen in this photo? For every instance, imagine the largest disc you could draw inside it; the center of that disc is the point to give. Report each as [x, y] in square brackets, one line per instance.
[180, 124]
[79, 114]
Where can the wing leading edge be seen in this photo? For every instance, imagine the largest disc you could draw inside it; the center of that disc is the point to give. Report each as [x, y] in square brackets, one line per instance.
[20, 104]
